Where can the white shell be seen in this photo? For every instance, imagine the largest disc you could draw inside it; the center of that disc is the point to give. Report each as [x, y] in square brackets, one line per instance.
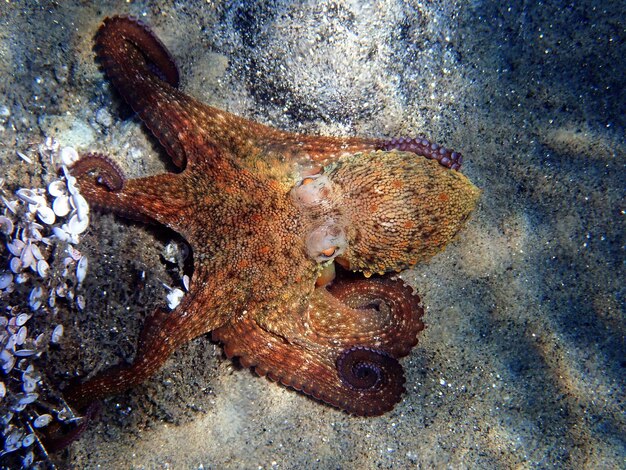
[68, 156]
[19, 407]
[8, 365]
[6, 354]
[29, 458]
[61, 206]
[23, 156]
[22, 318]
[39, 201]
[36, 234]
[38, 343]
[11, 205]
[25, 353]
[61, 234]
[13, 438]
[186, 282]
[29, 384]
[81, 205]
[28, 195]
[3, 390]
[6, 225]
[77, 225]
[6, 279]
[57, 334]
[20, 336]
[71, 184]
[27, 258]
[74, 253]
[16, 247]
[81, 269]
[42, 420]
[61, 289]
[27, 398]
[36, 252]
[34, 300]
[57, 188]
[46, 215]
[43, 268]
[16, 265]
[80, 302]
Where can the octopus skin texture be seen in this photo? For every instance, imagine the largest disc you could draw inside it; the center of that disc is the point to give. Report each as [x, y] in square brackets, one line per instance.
[265, 212]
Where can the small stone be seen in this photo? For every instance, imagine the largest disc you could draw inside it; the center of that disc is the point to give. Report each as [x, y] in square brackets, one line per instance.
[103, 117]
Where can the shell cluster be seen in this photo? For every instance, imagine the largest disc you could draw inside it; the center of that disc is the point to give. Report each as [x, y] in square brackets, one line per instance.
[41, 228]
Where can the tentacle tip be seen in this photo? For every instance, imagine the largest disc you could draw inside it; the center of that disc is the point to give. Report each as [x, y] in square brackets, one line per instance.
[109, 174]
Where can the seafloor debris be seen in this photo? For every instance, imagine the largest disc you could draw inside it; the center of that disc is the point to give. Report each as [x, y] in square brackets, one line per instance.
[41, 228]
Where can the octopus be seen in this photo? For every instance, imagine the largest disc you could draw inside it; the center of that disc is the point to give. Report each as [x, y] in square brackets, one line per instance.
[268, 216]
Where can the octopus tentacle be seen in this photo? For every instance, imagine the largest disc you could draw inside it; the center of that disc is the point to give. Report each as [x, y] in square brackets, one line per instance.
[312, 370]
[198, 313]
[364, 368]
[109, 173]
[343, 351]
[58, 436]
[380, 312]
[421, 146]
[151, 199]
[143, 72]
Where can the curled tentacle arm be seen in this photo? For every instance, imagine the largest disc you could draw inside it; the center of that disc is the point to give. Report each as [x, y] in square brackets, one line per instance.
[144, 73]
[156, 198]
[313, 369]
[381, 313]
[343, 350]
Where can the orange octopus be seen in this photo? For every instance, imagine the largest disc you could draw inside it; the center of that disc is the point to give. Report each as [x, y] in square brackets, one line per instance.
[266, 213]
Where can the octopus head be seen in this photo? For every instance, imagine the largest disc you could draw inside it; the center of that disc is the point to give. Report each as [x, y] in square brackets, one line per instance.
[383, 211]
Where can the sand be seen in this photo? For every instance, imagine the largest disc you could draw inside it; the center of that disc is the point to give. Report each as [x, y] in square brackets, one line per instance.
[523, 360]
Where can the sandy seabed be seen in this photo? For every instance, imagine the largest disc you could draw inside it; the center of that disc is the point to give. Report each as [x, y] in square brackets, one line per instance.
[523, 362]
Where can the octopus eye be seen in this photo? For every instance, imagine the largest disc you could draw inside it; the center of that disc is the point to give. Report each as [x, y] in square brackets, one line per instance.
[313, 190]
[326, 242]
[329, 252]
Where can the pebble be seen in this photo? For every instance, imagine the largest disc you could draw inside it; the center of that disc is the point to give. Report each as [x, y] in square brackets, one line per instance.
[103, 117]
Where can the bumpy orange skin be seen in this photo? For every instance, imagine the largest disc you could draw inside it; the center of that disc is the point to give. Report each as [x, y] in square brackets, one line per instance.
[264, 211]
